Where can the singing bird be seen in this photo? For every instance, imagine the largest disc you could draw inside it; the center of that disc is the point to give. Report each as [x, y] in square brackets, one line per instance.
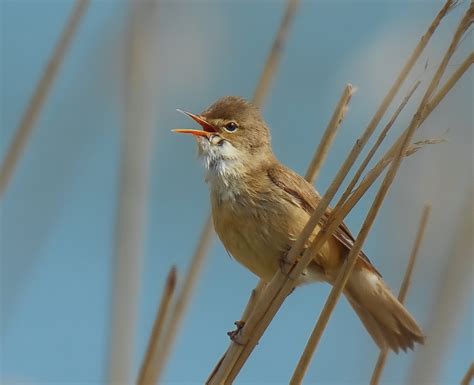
[259, 207]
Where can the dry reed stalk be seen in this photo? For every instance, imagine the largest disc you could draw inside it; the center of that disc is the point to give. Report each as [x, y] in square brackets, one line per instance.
[366, 226]
[28, 120]
[148, 375]
[279, 287]
[136, 154]
[176, 317]
[469, 376]
[452, 299]
[375, 172]
[404, 286]
[329, 134]
[271, 65]
[377, 144]
[450, 82]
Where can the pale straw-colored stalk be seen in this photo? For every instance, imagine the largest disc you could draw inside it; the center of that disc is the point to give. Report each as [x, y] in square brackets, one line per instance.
[135, 163]
[468, 376]
[148, 374]
[382, 358]
[378, 142]
[273, 59]
[343, 277]
[28, 120]
[453, 298]
[182, 301]
[329, 134]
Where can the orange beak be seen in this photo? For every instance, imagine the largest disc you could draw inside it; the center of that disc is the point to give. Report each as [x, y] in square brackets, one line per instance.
[207, 128]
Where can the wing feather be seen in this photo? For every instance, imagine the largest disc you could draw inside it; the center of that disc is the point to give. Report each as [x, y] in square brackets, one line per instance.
[308, 198]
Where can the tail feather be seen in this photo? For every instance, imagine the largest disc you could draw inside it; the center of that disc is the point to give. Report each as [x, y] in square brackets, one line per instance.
[384, 317]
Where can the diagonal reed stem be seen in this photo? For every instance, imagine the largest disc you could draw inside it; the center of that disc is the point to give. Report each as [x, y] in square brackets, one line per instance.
[148, 374]
[373, 211]
[28, 120]
[377, 144]
[182, 301]
[282, 283]
[273, 59]
[404, 286]
[469, 376]
[329, 134]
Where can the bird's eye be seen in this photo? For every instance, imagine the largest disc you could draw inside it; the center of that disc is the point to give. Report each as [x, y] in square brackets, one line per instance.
[231, 127]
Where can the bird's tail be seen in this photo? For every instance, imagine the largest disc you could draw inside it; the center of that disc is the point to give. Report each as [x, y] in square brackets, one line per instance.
[384, 317]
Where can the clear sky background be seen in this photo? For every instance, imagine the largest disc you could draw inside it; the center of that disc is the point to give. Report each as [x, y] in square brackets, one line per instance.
[58, 217]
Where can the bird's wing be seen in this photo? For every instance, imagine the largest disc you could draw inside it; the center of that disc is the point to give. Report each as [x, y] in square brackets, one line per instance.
[306, 197]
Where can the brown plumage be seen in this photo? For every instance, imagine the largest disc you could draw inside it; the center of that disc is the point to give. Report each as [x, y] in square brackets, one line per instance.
[259, 208]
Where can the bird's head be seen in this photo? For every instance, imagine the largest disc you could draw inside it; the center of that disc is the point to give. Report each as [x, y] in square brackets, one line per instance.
[234, 137]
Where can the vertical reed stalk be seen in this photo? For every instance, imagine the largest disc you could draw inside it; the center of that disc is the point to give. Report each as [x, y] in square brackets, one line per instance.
[137, 139]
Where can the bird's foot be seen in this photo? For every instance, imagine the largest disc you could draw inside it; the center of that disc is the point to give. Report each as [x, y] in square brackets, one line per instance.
[234, 334]
[285, 264]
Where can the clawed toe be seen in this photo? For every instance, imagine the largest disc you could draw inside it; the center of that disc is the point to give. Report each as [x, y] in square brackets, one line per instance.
[234, 334]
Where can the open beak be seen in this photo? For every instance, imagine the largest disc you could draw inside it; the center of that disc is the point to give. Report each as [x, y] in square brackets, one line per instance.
[207, 128]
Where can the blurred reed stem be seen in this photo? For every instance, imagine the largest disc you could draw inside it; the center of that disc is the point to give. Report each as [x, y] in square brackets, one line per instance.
[466, 380]
[30, 116]
[453, 295]
[136, 154]
[182, 301]
[273, 59]
[148, 374]
[404, 286]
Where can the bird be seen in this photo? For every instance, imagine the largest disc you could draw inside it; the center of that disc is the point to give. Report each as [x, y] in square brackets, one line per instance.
[259, 208]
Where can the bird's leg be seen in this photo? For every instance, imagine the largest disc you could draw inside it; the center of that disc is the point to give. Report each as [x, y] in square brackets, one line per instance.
[234, 334]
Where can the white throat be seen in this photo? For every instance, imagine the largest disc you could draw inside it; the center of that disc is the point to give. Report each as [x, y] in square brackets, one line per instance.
[224, 167]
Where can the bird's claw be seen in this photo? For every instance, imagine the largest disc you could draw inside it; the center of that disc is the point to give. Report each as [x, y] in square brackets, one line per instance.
[285, 264]
[234, 334]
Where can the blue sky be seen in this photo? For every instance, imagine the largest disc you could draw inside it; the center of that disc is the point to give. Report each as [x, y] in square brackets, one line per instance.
[58, 216]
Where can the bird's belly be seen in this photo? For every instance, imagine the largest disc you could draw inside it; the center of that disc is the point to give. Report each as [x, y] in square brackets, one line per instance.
[256, 236]
[259, 236]
[249, 246]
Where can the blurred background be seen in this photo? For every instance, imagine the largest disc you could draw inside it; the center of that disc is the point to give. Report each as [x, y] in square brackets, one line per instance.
[59, 214]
